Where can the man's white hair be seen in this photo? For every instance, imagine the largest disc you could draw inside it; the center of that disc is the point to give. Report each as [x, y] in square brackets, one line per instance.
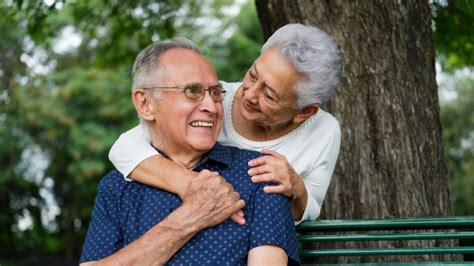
[144, 72]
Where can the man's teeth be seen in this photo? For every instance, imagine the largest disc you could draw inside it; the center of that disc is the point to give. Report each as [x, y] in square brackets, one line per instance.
[202, 124]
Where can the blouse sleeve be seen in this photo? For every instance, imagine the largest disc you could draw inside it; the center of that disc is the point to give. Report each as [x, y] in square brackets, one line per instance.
[130, 149]
[318, 180]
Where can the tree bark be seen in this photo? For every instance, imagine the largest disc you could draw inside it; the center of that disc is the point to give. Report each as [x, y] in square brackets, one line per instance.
[391, 161]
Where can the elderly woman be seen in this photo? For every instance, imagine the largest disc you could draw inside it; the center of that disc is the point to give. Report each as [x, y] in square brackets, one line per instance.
[275, 110]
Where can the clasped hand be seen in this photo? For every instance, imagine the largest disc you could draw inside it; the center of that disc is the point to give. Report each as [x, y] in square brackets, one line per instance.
[274, 168]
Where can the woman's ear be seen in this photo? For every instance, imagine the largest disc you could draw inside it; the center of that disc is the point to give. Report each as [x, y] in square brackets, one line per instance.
[305, 113]
[143, 104]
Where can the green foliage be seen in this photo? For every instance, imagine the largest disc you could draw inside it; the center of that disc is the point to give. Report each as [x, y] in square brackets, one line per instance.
[457, 118]
[454, 33]
[72, 115]
[18, 194]
[242, 47]
[454, 40]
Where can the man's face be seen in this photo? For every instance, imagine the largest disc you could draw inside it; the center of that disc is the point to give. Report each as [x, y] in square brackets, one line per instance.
[184, 125]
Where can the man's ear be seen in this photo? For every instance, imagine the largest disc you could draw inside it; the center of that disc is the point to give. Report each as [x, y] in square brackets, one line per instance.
[305, 113]
[143, 104]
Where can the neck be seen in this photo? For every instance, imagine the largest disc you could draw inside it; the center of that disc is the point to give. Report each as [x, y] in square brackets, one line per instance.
[183, 157]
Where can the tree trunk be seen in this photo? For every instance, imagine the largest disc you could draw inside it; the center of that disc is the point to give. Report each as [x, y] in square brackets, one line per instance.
[391, 161]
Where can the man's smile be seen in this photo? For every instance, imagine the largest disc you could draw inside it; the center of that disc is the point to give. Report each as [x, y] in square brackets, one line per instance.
[202, 124]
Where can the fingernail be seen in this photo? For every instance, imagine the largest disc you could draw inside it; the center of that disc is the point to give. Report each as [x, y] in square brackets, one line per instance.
[254, 179]
[250, 172]
[250, 163]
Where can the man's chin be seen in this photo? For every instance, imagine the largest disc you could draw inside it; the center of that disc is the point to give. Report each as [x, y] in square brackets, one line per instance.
[204, 147]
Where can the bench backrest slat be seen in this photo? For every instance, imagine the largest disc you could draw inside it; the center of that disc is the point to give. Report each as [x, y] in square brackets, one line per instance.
[386, 224]
[385, 251]
[393, 236]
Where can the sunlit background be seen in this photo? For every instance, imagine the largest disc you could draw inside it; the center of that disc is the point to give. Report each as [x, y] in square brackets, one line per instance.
[65, 98]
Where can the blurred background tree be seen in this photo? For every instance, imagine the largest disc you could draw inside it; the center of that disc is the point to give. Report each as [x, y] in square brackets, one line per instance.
[454, 41]
[64, 98]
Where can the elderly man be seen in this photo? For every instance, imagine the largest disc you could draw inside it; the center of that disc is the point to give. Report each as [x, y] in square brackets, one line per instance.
[178, 96]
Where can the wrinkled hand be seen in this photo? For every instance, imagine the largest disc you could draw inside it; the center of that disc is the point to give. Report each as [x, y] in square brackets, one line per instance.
[275, 168]
[211, 200]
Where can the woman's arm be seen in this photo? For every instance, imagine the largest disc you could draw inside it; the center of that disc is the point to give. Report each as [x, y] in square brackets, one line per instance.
[154, 170]
[133, 155]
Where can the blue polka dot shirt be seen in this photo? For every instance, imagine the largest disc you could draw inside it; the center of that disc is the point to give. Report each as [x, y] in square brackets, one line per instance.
[124, 211]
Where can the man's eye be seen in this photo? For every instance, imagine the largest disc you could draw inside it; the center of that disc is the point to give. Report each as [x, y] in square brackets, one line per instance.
[215, 91]
[193, 89]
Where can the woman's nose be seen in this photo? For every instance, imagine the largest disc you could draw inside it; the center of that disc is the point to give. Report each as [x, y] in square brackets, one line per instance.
[251, 92]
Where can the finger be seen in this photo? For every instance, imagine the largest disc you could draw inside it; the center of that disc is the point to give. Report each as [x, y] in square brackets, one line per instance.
[282, 189]
[240, 204]
[237, 218]
[236, 196]
[265, 178]
[258, 170]
[273, 153]
[259, 161]
[220, 182]
[207, 174]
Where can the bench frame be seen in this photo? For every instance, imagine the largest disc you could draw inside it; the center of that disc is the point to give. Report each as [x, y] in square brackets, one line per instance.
[434, 228]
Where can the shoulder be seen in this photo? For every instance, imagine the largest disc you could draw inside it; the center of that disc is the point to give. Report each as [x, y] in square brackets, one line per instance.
[112, 182]
[328, 120]
[236, 154]
[323, 127]
[230, 87]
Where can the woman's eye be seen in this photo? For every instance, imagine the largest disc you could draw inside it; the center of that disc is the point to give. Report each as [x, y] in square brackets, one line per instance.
[268, 96]
[252, 76]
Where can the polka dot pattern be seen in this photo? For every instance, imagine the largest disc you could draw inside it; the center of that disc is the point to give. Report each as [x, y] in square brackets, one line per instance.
[124, 211]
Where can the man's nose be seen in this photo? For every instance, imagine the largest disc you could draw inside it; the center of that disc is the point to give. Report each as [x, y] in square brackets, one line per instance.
[208, 104]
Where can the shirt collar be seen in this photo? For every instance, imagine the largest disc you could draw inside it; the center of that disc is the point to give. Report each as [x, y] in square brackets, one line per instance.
[219, 154]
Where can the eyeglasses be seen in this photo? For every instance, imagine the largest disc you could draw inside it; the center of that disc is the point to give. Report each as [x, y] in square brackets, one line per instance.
[196, 92]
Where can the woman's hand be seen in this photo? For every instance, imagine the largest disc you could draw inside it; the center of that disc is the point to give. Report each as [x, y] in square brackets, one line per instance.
[275, 168]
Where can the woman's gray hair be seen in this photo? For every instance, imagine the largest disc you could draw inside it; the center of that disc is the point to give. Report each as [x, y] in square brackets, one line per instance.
[315, 55]
[144, 69]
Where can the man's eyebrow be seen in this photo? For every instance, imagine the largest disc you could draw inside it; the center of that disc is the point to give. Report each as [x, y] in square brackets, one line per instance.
[218, 84]
[266, 85]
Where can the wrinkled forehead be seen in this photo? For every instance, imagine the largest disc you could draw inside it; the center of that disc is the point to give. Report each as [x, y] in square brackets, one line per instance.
[184, 66]
[274, 69]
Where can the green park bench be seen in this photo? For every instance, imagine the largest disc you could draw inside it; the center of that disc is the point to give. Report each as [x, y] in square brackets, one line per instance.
[439, 228]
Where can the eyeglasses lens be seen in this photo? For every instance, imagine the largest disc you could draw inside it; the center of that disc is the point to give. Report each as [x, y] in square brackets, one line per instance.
[197, 92]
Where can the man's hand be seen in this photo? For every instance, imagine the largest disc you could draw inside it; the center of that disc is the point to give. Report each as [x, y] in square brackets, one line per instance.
[211, 200]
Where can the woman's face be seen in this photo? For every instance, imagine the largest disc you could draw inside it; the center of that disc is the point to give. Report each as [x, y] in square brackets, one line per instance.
[268, 91]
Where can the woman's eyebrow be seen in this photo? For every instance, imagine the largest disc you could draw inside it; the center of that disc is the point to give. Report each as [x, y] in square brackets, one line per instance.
[266, 85]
